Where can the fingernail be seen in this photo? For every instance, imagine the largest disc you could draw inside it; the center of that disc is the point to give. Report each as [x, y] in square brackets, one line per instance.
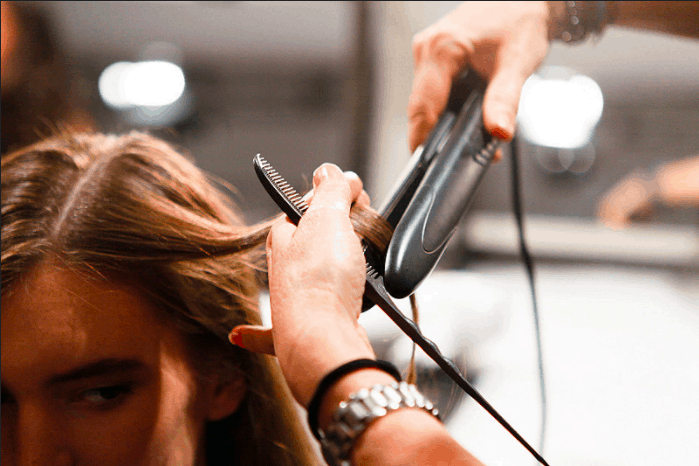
[320, 175]
[323, 173]
[236, 338]
[503, 129]
[501, 133]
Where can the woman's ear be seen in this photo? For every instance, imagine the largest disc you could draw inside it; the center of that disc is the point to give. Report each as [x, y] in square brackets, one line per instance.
[225, 396]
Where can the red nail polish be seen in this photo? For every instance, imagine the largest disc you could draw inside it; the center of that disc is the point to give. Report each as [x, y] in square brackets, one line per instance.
[236, 339]
[501, 134]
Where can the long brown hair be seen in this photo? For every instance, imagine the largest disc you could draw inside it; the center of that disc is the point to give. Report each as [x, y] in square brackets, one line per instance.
[132, 207]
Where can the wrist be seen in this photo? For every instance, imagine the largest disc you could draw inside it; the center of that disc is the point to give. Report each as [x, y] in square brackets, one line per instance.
[573, 21]
[330, 381]
[408, 436]
[557, 20]
[359, 414]
[347, 385]
[316, 364]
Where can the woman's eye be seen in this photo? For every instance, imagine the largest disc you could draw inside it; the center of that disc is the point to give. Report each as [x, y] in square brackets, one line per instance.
[104, 395]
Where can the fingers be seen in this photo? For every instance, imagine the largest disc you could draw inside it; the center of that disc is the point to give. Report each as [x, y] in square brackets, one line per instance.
[333, 192]
[284, 229]
[501, 101]
[628, 198]
[358, 194]
[427, 100]
[355, 184]
[504, 43]
[437, 61]
[516, 61]
[363, 199]
[438, 56]
[498, 156]
[253, 338]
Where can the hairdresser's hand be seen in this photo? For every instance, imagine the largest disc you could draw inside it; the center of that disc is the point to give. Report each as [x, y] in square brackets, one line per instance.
[631, 197]
[316, 281]
[504, 42]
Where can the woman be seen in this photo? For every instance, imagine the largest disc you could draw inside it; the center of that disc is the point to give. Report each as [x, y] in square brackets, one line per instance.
[124, 269]
[115, 314]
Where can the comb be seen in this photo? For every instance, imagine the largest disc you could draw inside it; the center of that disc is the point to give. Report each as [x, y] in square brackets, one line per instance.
[293, 205]
[286, 197]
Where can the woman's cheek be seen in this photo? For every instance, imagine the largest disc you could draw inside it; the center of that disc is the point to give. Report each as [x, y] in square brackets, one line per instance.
[126, 435]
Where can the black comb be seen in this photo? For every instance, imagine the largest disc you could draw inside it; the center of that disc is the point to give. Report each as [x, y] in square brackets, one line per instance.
[294, 207]
[286, 197]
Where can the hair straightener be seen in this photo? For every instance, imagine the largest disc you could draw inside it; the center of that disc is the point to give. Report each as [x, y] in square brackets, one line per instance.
[437, 188]
[424, 207]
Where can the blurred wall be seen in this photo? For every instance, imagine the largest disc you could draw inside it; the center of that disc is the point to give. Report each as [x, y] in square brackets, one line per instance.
[393, 25]
[284, 79]
[308, 82]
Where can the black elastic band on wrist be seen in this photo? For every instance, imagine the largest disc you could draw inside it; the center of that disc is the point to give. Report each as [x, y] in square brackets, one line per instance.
[334, 376]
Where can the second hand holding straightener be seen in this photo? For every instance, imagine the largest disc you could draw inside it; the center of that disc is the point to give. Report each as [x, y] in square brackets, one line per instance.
[424, 208]
[427, 205]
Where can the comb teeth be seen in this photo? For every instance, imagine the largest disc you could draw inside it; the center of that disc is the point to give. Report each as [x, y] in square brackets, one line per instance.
[286, 189]
[371, 272]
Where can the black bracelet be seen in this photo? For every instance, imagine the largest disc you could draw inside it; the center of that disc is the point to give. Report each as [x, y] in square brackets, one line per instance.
[334, 376]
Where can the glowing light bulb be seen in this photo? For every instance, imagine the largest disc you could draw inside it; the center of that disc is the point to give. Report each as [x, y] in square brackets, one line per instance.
[559, 109]
[154, 83]
[150, 84]
[111, 85]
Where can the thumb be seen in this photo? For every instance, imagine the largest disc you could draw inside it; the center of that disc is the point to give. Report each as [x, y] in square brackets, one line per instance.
[253, 338]
[331, 188]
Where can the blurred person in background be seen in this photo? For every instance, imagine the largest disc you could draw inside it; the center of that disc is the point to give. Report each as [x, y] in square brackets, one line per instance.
[40, 93]
[675, 184]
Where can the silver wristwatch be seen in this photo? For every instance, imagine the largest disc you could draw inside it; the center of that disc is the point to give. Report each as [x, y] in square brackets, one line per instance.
[353, 416]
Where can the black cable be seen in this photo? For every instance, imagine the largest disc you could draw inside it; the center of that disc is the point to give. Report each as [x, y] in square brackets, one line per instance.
[529, 265]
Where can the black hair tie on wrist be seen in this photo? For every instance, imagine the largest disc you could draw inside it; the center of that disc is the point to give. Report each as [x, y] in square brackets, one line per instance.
[334, 376]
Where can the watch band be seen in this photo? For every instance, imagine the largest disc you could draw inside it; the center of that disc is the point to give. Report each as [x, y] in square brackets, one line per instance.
[354, 415]
[574, 21]
[334, 376]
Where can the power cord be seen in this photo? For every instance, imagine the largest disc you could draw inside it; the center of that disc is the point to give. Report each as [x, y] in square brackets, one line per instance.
[529, 265]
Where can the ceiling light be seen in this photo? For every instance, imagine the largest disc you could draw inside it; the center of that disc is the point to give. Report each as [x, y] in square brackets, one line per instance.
[559, 108]
[151, 84]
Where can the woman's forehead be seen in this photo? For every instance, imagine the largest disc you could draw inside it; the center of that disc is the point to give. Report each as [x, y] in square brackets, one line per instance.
[58, 316]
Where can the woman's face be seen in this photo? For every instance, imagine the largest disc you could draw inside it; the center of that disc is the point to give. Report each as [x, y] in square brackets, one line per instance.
[92, 376]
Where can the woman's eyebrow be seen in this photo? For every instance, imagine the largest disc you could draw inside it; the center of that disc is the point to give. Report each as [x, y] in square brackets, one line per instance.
[107, 366]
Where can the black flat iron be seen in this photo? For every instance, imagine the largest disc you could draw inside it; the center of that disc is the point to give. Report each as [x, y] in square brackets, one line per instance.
[437, 188]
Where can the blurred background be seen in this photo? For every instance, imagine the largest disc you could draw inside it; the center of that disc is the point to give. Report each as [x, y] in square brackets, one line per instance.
[308, 82]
